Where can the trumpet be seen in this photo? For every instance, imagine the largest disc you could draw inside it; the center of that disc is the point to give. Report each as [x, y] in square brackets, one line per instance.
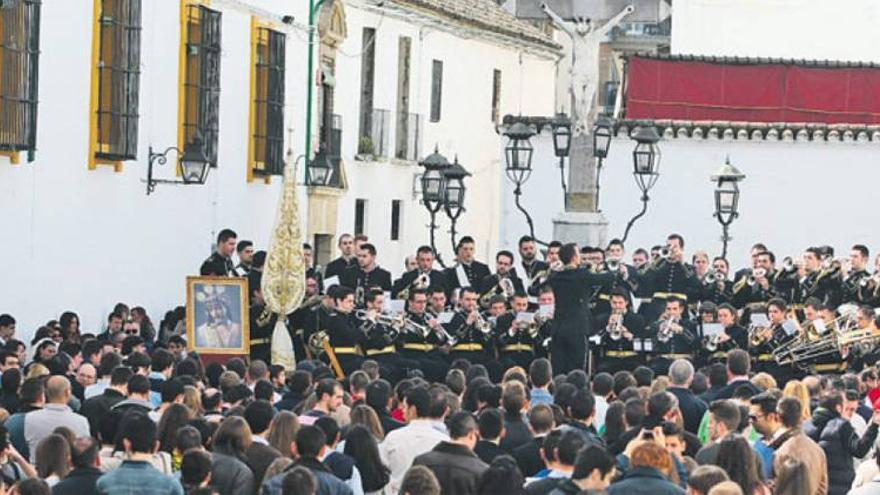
[615, 328]
[758, 335]
[359, 295]
[504, 284]
[712, 342]
[873, 280]
[507, 287]
[665, 331]
[483, 325]
[422, 281]
[396, 322]
[613, 264]
[756, 274]
[710, 277]
[788, 264]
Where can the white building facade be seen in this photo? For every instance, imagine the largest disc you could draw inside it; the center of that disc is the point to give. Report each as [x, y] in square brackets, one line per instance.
[82, 235]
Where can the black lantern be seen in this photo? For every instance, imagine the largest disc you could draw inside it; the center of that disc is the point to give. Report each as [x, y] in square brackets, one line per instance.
[561, 127]
[518, 153]
[646, 168]
[602, 130]
[434, 189]
[646, 158]
[727, 179]
[192, 164]
[433, 180]
[454, 195]
[319, 169]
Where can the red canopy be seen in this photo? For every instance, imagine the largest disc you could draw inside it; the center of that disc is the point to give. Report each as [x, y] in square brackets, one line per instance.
[660, 88]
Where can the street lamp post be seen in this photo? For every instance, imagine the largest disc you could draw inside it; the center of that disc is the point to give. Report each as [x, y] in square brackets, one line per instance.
[646, 168]
[727, 179]
[518, 165]
[434, 190]
[560, 125]
[453, 201]
[601, 144]
[192, 164]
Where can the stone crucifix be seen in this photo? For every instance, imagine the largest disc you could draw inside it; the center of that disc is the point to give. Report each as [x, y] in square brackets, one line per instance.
[584, 71]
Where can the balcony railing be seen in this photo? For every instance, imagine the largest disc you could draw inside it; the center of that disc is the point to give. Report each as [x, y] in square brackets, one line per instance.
[409, 136]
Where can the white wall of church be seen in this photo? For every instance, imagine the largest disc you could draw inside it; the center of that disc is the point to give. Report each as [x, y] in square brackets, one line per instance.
[82, 240]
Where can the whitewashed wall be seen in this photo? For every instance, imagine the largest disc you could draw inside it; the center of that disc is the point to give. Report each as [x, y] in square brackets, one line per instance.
[465, 128]
[795, 195]
[810, 29]
[83, 240]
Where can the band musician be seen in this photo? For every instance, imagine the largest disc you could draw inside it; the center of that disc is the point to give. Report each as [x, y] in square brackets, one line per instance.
[620, 327]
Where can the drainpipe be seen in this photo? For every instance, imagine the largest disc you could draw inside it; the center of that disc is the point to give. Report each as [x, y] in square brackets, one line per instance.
[313, 14]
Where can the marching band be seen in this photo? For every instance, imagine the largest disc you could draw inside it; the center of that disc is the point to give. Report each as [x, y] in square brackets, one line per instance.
[588, 309]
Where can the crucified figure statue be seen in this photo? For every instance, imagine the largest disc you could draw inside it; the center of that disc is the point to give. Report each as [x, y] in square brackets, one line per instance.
[585, 60]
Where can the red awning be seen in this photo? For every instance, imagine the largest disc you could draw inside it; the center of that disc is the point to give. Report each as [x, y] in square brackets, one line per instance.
[661, 88]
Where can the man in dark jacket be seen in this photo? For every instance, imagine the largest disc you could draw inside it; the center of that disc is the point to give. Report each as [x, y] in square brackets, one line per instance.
[85, 459]
[379, 398]
[454, 463]
[491, 431]
[573, 288]
[96, 408]
[260, 454]
[528, 456]
[517, 433]
[310, 445]
[681, 374]
[738, 365]
[837, 438]
[593, 470]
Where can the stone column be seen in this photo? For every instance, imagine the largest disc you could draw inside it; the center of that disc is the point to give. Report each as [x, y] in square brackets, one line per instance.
[580, 222]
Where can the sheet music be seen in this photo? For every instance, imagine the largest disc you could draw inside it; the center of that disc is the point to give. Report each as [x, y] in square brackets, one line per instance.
[637, 345]
[790, 327]
[463, 280]
[759, 320]
[330, 282]
[525, 316]
[546, 310]
[820, 327]
[648, 345]
[710, 329]
[395, 306]
[445, 317]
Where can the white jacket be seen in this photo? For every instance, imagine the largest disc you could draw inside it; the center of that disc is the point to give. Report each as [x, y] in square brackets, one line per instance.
[403, 445]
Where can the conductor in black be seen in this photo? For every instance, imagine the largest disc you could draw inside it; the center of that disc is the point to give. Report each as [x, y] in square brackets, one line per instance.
[572, 322]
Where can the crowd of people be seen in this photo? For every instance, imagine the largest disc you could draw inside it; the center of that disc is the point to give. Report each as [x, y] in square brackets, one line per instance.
[586, 374]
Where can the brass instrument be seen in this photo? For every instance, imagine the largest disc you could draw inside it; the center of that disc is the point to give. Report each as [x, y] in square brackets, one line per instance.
[788, 264]
[712, 342]
[483, 325]
[756, 274]
[319, 343]
[359, 295]
[665, 331]
[613, 264]
[873, 280]
[504, 284]
[759, 336]
[422, 281]
[710, 277]
[615, 329]
[395, 322]
[311, 302]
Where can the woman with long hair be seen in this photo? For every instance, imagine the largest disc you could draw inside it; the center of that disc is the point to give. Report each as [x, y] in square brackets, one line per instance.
[797, 389]
[282, 432]
[737, 458]
[70, 329]
[230, 474]
[366, 416]
[615, 422]
[174, 417]
[792, 478]
[361, 445]
[192, 399]
[148, 331]
[52, 458]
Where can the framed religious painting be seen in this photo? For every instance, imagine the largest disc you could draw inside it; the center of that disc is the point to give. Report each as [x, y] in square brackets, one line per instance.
[217, 315]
